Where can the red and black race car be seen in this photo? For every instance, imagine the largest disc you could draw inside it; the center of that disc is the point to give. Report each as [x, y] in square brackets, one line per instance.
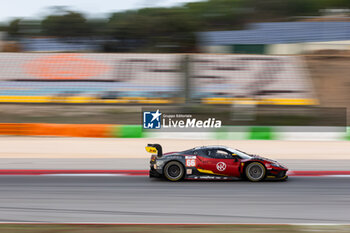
[213, 163]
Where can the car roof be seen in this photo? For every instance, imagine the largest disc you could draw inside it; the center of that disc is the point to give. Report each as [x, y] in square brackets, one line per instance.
[211, 147]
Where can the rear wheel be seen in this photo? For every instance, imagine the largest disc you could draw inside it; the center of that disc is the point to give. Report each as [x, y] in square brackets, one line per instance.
[174, 171]
[255, 172]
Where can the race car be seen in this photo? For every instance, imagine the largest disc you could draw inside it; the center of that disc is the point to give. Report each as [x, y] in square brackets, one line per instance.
[213, 163]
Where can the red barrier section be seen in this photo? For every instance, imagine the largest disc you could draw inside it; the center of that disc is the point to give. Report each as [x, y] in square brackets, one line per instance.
[53, 172]
[63, 130]
[143, 172]
[16, 128]
[319, 173]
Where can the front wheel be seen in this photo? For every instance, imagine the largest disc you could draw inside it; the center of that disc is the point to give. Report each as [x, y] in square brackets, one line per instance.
[255, 172]
[174, 171]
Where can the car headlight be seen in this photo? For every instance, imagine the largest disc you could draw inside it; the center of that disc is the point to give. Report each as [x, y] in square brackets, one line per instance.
[159, 163]
[274, 165]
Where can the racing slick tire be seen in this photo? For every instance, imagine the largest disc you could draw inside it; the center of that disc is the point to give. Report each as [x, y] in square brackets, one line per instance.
[174, 171]
[255, 172]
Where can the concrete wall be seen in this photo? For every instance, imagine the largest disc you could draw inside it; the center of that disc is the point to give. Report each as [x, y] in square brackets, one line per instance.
[287, 49]
[280, 49]
[216, 49]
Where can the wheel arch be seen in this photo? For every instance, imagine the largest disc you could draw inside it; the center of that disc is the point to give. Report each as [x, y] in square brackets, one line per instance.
[177, 161]
[245, 164]
[174, 160]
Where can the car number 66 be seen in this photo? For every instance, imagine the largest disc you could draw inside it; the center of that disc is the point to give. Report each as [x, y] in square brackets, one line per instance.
[190, 162]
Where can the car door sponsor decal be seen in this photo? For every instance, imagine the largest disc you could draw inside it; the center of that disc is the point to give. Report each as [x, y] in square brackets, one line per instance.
[221, 166]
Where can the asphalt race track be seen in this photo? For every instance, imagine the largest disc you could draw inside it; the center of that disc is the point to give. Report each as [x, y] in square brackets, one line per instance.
[142, 200]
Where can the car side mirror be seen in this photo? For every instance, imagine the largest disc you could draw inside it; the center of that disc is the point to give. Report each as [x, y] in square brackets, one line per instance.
[235, 157]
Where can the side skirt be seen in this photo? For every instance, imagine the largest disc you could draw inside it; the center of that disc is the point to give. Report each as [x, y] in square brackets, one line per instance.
[209, 177]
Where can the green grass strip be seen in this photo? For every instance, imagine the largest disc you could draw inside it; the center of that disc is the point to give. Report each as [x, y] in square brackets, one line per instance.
[131, 131]
[347, 134]
[261, 133]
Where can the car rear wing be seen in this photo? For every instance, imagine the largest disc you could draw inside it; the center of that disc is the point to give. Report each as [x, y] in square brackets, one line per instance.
[155, 148]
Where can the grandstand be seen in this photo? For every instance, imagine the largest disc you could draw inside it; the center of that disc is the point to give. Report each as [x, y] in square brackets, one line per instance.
[152, 78]
[88, 78]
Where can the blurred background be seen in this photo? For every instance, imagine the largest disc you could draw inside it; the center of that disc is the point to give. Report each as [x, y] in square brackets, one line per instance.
[275, 60]
[75, 76]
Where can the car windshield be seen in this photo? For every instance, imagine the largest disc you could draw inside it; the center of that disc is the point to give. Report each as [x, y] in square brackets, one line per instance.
[241, 154]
